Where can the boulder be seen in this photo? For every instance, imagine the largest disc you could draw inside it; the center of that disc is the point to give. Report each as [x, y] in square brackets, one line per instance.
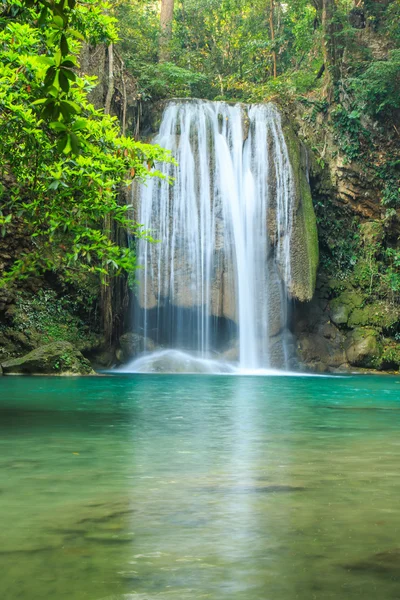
[363, 348]
[133, 344]
[379, 314]
[55, 359]
[322, 352]
[342, 306]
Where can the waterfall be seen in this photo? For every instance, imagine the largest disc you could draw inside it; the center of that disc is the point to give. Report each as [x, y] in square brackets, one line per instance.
[215, 282]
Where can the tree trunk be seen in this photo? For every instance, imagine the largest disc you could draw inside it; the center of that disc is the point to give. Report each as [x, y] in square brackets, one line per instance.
[167, 13]
[110, 87]
[272, 32]
[106, 286]
[331, 47]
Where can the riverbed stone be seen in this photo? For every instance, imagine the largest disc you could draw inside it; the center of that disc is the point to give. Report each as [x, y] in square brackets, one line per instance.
[56, 358]
[386, 562]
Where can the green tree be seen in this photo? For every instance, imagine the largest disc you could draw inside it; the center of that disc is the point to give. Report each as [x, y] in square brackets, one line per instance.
[63, 163]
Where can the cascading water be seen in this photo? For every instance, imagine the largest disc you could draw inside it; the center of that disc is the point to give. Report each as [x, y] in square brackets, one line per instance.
[215, 284]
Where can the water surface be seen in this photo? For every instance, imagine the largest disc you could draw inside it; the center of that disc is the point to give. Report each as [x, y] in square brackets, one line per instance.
[189, 487]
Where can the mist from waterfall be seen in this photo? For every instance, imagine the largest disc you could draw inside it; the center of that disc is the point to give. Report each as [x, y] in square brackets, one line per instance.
[215, 284]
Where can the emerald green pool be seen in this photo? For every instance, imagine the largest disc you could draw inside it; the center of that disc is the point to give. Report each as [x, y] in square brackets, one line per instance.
[200, 487]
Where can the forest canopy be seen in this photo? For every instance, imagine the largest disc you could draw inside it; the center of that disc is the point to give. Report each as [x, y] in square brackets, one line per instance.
[65, 165]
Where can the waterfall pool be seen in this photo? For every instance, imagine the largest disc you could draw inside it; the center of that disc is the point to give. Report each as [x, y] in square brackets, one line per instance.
[178, 487]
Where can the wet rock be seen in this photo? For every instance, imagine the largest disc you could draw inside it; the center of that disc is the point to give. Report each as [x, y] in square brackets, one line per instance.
[54, 358]
[276, 301]
[103, 359]
[322, 351]
[232, 354]
[386, 563]
[362, 347]
[133, 344]
[282, 351]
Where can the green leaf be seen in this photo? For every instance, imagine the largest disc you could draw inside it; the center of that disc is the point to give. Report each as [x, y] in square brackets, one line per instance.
[68, 63]
[76, 34]
[58, 22]
[79, 124]
[63, 80]
[64, 45]
[54, 184]
[43, 16]
[71, 107]
[69, 74]
[74, 141]
[62, 142]
[58, 126]
[50, 76]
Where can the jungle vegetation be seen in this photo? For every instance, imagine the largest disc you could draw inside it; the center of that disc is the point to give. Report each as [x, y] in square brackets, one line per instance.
[65, 163]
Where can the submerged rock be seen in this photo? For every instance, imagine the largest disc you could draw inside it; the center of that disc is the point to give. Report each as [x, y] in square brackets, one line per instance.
[387, 562]
[55, 358]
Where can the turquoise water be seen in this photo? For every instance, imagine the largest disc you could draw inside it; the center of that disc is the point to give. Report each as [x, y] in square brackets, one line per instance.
[200, 487]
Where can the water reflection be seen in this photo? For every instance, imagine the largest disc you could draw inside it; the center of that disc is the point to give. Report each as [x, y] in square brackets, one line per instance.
[199, 487]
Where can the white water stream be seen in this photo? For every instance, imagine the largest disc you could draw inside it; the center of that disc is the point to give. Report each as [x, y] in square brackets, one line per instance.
[215, 278]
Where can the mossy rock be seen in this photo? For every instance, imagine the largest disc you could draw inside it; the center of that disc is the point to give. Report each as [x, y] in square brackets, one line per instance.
[363, 348]
[372, 234]
[342, 307]
[379, 314]
[390, 358]
[304, 251]
[56, 358]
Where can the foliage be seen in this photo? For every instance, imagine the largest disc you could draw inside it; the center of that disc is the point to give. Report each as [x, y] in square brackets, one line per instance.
[377, 89]
[351, 134]
[339, 239]
[51, 318]
[223, 48]
[62, 161]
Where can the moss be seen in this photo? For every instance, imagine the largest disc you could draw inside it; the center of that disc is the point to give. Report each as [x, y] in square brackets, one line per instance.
[342, 307]
[304, 243]
[390, 358]
[55, 358]
[379, 314]
[46, 318]
[363, 348]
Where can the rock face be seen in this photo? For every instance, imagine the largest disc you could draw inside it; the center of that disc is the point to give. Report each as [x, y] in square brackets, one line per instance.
[304, 253]
[320, 344]
[56, 359]
[342, 328]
